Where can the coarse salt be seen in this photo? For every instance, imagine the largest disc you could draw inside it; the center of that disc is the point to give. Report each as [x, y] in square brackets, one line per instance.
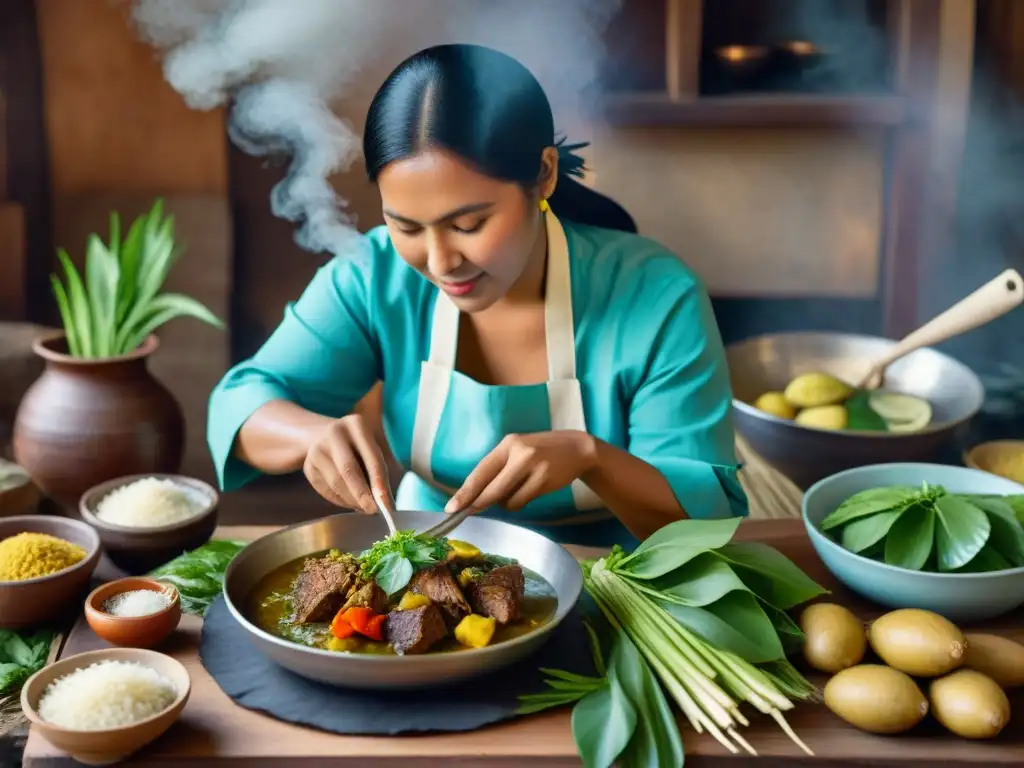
[137, 602]
[149, 503]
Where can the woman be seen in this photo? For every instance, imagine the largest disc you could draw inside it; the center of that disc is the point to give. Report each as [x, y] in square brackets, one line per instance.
[541, 362]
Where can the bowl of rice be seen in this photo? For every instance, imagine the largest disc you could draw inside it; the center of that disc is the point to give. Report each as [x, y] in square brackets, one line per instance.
[46, 563]
[146, 520]
[102, 706]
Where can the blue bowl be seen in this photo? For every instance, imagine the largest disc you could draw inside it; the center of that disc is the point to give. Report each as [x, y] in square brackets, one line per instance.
[960, 597]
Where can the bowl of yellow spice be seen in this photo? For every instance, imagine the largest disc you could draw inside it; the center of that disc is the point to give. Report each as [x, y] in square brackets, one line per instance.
[46, 564]
[999, 457]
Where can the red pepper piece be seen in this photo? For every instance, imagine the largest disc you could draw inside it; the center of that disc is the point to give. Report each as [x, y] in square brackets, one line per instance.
[359, 617]
[341, 628]
[375, 628]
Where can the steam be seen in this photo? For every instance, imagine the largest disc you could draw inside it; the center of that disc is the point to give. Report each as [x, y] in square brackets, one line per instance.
[280, 65]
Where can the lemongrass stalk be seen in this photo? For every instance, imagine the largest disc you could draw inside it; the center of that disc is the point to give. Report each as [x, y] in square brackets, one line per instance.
[663, 621]
[687, 673]
[785, 726]
[699, 717]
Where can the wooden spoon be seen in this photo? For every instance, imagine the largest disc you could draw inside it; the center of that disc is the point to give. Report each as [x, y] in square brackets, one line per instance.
[992, 300]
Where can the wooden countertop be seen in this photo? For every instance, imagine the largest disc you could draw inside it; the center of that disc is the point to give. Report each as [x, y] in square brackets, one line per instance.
[213, 731]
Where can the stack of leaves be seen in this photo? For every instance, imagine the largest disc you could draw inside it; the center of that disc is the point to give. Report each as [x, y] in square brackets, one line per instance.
[199, 575]
[931, 529]
[21, 656]
[703, 618]
[118, 304]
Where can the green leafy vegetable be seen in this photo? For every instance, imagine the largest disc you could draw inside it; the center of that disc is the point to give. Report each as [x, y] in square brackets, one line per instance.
[861, 416]
[931, 529]
[199, 575]
[692, 618]
[392, 562]
[118, 304]
[21, 657]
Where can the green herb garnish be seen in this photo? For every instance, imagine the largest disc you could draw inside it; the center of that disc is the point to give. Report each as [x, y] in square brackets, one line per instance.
[392, 562]
[199, 575]
[21, 656]
[931, 529]
[694, 616]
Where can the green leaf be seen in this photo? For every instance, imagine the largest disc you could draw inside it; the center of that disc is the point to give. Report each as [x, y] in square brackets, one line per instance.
[656, 742]
[962, 531]
[862, 417]
[130, 257]
[675, 545]
[393, 573]
[1007, 536]
[868, 531]
[603, 722]
[770, 574]
[158, 256]
[101, 274]
[66, 317]
[160, 311]
[911, 538]
[699, 582]
[868, 502]
[986, 561]
[78, 305]
[199, 574]
[735, 623]
[789, 632]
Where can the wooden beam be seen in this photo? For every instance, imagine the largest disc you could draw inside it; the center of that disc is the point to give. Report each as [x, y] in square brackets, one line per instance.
[27, 168]
[683, 33]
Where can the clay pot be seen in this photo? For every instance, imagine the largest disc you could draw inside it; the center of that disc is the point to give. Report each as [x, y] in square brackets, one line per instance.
[87, 421]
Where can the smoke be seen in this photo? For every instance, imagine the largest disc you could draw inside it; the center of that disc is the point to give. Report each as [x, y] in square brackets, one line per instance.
[280, 65]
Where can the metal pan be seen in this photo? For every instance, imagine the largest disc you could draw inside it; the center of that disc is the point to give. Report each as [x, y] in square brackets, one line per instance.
[355, 532]
[807, 455]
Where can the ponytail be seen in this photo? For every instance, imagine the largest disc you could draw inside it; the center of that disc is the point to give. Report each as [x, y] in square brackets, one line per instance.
[575, 202]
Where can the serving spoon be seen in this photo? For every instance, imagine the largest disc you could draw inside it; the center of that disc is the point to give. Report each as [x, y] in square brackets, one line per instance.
[994, 299]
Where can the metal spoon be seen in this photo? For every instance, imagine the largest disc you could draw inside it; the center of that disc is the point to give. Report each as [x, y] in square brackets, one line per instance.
[385, 511]
[449, 524]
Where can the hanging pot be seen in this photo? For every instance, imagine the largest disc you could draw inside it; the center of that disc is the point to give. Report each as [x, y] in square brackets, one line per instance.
[85, 421]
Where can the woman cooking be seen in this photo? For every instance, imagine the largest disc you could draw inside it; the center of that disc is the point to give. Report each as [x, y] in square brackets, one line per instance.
[540, 361]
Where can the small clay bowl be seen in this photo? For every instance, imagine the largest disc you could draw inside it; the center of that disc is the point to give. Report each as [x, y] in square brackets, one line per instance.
[139, 550]
[46, 599]
[114, 744]
[133, 631]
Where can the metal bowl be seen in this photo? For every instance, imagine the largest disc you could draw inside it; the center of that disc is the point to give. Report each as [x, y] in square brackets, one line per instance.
[805, 454]
[353, 533]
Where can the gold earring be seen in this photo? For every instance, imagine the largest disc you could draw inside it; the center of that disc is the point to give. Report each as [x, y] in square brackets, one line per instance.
[544, 207]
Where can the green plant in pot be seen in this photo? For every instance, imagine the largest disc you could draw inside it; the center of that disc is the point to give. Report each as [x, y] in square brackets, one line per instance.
[97, 412]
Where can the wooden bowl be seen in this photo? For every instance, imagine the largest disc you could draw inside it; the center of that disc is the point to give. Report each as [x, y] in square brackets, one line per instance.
[140, 550]
[133, 631]
[114, 744]
[992, 457]
[45, 599]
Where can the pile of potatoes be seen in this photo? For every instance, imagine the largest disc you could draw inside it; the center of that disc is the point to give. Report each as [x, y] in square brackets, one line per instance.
[967, 674]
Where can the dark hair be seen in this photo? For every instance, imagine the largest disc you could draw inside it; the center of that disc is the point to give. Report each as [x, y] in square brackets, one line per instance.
[487, 108]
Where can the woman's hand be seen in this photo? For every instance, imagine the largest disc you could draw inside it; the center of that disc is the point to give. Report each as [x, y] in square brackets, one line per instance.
[524, 467]
[346, 466]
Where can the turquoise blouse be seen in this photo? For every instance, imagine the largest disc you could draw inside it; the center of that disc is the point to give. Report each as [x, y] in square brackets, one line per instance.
[649, 358]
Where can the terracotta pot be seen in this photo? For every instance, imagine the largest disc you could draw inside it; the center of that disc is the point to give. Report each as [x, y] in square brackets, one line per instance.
[84, 422]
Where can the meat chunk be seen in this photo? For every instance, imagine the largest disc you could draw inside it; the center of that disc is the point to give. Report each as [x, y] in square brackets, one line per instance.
[415, 630]
[367, 595]
[440, 586]
[321, 587]
[499, 593]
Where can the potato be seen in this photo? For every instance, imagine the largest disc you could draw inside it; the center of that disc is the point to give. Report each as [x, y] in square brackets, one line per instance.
[412, 600]
[918, 642]
[970, 704]
[834, 639]
[876, 698]
[475, 631]
[998, 657]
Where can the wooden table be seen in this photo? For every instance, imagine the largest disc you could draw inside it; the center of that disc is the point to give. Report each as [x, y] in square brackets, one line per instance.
[214, 732]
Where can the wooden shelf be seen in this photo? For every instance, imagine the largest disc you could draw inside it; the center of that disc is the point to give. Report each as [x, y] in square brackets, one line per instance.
[782, 110]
